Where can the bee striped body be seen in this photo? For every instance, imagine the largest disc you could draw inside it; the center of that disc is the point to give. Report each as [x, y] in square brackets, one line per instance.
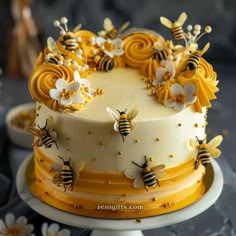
[55, 59]
[203, 156]
[67, 176]
[178, 34]
[104, 63]
[112, 34]
[47, 141]
[193, 61]
[160, 55]
[124, 125]
[149, 178]
[69, 42]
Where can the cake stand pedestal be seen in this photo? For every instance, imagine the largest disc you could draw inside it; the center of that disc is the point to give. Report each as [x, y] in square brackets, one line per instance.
[129, 227]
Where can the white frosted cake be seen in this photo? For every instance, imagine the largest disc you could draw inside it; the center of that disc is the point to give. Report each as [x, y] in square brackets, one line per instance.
[121, 118]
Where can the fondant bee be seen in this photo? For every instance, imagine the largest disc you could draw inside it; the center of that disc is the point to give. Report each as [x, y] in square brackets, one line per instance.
[45, 136]
[110, 31]
[176, 27]
[161, 52]
[68, 40]
[104, 63]
[123, 122]
[206, 150]
[54, 56]
[194, 58]
[147, 177]
[66, 173]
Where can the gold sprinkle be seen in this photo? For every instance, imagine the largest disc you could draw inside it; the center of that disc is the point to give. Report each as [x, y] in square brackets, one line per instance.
[153, 93]
[136, 141]
[179, 124]
[101, 143]
[151, 159]
[154, 199]
[225, 132]
[171, 155]
[157, 139]
[67, 149]
[148, 86]
[76, 206]
[119, 153]
[90, 132]
[37, 115]
[195, 125]
[168, 204]
[99, 92]
[139, 220]
[41, 160]
[94, 159]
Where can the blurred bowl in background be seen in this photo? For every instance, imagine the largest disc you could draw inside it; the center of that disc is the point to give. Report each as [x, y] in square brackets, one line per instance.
[16, 119]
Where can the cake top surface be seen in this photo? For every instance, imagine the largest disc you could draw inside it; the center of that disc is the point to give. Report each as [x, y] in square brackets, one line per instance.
[83, 73]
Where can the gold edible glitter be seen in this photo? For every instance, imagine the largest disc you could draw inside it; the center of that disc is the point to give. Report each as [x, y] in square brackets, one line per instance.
[119, 153]
[157, 139]
[195, 125]
[139, 220]
[171, 155]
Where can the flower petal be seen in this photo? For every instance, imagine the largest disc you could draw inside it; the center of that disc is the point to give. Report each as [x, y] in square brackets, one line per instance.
[53, 229]
[179, 106]
[191, 100]
[44, 229]
[21, 222]
[100, 40]
[29, 229]
[10, 220]
[189, 89]
[118, 52]
[176, 89]
[65, 102]
[73, 86]
[76, 76]
[61, 84]
[117, 42]
[64, 232]
[2, 225]
[169, 103]
[77, 99]
[54, 94]
[170, 67]
[160, 72]
[108, 53]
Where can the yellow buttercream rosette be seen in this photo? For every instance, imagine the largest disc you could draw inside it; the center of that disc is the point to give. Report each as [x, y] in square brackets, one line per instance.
[43, 79]
[204, 79]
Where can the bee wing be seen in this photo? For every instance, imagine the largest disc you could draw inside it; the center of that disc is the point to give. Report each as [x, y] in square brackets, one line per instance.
[166, 22]
[57, 179]
[77, 167]
[77, 28]
[215, 152]
[215, 142]
[193, 144]
[132, 173]
[138, 182]
[107, 24]
[102, 33]
[112, 114]
[56, 167]
[205, 48]
[124, 26]
[132, 114]
[52, 46]
[182, 18]
[159, 170]
[50, 124]
[32, 130]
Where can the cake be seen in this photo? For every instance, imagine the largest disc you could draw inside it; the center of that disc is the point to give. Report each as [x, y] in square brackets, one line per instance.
[120, 128]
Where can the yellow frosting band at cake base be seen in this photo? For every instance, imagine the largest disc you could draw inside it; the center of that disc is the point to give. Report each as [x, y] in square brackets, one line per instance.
[110, 195]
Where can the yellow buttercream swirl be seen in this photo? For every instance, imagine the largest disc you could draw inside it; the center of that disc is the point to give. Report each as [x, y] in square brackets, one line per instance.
[205, 81]
[43, 79]
[138, 48]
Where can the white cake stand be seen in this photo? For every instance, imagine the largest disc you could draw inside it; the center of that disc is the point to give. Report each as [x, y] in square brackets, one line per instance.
[129, 227]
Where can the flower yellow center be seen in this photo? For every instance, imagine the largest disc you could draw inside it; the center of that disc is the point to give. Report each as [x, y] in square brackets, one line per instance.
[167, 75]
[109, 46]
[66, 94]
[180, 98]
[15, 232]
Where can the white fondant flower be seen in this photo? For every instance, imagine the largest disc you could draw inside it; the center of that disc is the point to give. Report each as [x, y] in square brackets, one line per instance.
[53, 230]
[165, 73]
[16, 227]
[85, 84]
[66, 93]
[110, 47]
[181, 96]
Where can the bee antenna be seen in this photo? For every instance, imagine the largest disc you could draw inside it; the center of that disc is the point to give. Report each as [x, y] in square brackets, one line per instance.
[126, 110]
[119, 111]
[136, 164]
[197, 139]
[61, 158]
